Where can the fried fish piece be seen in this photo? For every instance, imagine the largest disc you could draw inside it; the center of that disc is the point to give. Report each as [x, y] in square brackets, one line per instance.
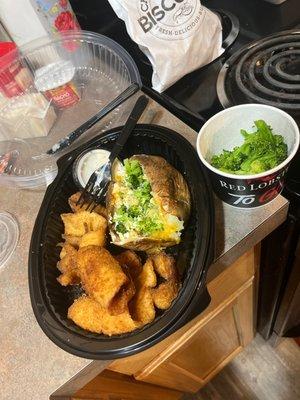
[80, 223]
[93, 238]
[68, 266]
[67, 249]
[96, 238]
[130, 259]
[101, 275]
[164, 265]
[142, 306]
[69, 278]
[88, 314]
[165, 293]
[147, 277]
[72, 240]
[101, 210]
[119, 303]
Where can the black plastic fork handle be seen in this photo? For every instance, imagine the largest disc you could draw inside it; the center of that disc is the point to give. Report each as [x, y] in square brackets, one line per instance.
[130, 124]
[86, 192]
[69, 139]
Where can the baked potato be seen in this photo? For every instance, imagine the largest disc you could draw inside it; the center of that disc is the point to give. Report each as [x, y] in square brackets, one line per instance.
[148, 203]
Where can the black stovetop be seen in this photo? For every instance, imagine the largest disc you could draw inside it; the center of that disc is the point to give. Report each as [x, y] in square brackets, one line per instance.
[194, 98]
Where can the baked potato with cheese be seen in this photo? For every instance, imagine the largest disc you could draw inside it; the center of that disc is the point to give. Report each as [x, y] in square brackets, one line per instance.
[148, 203]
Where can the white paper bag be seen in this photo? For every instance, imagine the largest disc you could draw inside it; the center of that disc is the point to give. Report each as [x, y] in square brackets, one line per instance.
[178, 36]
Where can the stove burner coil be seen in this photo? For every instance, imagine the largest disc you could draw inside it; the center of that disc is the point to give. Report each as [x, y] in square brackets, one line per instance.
[266, 71]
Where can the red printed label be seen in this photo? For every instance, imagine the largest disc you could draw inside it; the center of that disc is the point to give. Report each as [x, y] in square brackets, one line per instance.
[63, 96]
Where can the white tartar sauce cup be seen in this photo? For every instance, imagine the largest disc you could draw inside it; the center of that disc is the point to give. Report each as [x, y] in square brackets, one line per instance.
[87, 163]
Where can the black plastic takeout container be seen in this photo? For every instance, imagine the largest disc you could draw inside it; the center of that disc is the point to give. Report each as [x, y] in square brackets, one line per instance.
[50, 301]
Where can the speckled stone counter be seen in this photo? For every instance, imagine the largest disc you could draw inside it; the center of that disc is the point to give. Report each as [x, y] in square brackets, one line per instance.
[31, 366]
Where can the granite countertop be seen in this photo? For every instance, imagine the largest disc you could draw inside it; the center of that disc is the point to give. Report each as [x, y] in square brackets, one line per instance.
[31, 366]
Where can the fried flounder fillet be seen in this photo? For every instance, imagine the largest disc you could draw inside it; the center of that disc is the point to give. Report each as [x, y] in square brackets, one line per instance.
[85, 206]
[164, 265]
[142, 306]
[82, 222]
[89, 315]
[163, 295]
[132, 267]
[96, 238]
[72, 240]
[147, 277]
[101, 275]
[67, 249]
[119, 303]
[68, 266]
[132, 261]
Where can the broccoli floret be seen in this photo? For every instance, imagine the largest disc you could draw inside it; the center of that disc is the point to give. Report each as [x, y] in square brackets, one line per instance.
[143, 193]
[147, 226]
[228, 160]
[134, 173]
[281, 148]
[261, 151]
[257, 166]
[121, 228]
[141, 215]
[133, 167]
[133, 211]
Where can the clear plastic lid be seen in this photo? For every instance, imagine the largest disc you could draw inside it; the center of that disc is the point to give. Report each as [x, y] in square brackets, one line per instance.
[9, 235]
[53, 75]
[30, 123]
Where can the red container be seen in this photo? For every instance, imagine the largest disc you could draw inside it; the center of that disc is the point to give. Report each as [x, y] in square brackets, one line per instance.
[14, 78]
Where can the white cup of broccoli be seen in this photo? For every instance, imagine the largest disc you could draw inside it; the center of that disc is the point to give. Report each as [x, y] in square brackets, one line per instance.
[247, 150]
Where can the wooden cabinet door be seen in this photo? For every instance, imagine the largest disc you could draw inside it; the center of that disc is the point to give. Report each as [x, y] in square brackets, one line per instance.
[114, 386]
[201, 353]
